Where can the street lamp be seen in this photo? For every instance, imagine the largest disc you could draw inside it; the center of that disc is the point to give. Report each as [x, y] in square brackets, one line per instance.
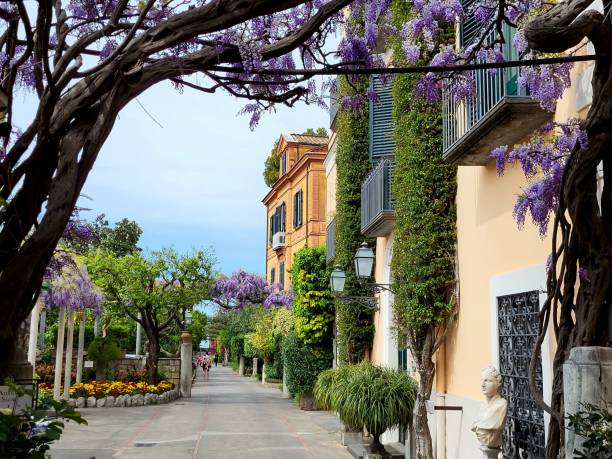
[337, 279]
[364, 261]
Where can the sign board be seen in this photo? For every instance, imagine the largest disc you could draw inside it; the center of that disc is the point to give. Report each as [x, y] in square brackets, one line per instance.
[10, 400]
[88, 364]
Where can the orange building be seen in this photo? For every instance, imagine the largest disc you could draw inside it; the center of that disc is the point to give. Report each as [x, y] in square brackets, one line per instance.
[296, 203]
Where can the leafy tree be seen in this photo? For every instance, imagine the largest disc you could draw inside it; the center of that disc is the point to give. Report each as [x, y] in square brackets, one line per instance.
[120, 240]
[198, 328]
[159, 286]
[319, 131]
[272, 167]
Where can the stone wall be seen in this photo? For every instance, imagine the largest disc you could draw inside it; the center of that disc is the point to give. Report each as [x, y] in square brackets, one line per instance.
[172, 368]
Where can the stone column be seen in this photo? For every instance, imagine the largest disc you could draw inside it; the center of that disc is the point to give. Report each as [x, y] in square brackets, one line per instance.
[34, 322]
[254, 374]
[81, 348]
[241, 366]
[186, 368]
[68, 364]
[138, 335]
[41, 330]
[263, 373]
[286, 393]
[59, 353]
[587, 378]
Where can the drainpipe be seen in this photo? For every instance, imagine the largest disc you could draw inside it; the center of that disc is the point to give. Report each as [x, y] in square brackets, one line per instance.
[306, 220]
[441, 401]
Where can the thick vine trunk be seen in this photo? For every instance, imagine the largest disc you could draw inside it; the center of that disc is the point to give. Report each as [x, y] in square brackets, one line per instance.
[424, 447]
[585, 241]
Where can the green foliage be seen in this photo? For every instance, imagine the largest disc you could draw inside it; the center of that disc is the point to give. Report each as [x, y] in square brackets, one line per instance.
[365, 395]
[272, 167]
[103, 350]
[120, 240]
[313, 304]
[303, 364]
[29, 434]
[319, 131]
[198, 328]
[354, 323]
[594, 424]
[425, 188]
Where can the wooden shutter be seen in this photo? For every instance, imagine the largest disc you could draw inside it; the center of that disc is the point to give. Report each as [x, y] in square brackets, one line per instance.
[272, 275]
[300, 206]
[382, 142]
[281, 274]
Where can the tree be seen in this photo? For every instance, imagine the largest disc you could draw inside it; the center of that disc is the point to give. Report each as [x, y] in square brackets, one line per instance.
[88, 61]
[159, 286]
[120, 240]
[322, 132]
[198, 328]
[272, 167]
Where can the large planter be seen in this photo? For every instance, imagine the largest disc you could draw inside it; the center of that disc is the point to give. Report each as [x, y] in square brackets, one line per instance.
[308, 402]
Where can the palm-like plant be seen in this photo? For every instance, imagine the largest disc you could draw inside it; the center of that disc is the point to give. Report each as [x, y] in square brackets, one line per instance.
[369, 396]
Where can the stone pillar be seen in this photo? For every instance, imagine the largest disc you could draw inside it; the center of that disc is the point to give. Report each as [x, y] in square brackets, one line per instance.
[241, 366]
[286, 393]
[587, 378]
[81, 348]
[19, 368]
[68, 364]
[254, 374]
[138, 335]
[225, 357]
[34, 320]
[59, 354]
[186, 368]
[41, 330]
[263, 373]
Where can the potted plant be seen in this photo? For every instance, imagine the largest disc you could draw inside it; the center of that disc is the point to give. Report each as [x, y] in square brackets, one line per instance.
[370, 397]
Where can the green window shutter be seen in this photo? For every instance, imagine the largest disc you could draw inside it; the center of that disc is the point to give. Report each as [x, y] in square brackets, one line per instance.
[295, 210]
[272, 275]
[281, 274]
[271, 229]
[300, 201]
[382, 141]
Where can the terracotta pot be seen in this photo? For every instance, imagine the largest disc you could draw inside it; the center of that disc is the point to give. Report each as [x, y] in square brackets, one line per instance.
[186, 337]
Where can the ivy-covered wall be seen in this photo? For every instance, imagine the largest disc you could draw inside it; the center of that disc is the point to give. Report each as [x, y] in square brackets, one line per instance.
[354, 323]
[425, 188]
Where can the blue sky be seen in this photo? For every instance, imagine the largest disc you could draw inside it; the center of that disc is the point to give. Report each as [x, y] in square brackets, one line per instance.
[197, 182]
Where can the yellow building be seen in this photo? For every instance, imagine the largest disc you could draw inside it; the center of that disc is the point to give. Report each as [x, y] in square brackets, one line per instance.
[501, 274]
[295, 204]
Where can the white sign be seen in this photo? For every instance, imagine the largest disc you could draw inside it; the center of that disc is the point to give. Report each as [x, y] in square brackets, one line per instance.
[10, 400]
[88, 363]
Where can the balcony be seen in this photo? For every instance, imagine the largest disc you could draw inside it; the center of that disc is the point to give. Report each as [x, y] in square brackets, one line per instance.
[330, 245]
[377, 205]
[278, 240]
[500, 113]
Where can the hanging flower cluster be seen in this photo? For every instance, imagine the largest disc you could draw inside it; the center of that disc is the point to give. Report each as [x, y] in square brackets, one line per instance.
[242, 289]
[74, 290]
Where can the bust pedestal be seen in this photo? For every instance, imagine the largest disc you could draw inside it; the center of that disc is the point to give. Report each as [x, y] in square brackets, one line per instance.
[489, 453]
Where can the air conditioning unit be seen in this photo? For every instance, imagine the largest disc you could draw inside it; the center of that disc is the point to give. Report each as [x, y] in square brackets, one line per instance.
[278, 240]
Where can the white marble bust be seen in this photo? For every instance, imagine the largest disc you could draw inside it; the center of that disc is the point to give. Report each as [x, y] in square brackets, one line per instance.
[489, 424]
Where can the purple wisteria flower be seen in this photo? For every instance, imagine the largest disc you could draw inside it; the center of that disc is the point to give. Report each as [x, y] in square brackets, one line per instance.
[74, 290]
[242, 289]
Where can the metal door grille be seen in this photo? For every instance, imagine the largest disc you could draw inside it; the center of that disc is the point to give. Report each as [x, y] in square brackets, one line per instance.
[518, 331]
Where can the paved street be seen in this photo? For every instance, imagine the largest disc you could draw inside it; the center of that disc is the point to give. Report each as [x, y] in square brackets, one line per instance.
[227, 417]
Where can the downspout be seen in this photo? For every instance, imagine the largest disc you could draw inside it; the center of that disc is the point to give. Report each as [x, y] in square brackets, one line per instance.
[307, 202]
[441, 401]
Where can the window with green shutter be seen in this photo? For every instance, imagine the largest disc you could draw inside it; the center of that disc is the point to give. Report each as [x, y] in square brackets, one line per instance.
[271, 228]
[469, 28]
[272, 275]
[382, 141]
[281, 274]
[297, 209]
[283, 163]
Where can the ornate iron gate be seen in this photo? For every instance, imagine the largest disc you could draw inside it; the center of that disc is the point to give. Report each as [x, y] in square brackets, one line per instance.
[518, 331]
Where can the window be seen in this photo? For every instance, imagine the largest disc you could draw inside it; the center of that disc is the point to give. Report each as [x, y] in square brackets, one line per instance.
[281, 274]
[297, 209]
[277, 221]
[272, 275]
[283, 162]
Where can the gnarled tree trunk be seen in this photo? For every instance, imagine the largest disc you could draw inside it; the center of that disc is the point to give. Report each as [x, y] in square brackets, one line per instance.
[426, 369]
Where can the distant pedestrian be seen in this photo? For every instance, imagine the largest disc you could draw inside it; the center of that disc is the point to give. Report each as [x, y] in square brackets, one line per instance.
[216, 359]
[206, 364]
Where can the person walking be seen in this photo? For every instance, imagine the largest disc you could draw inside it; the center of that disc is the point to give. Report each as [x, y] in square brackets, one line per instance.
[206, 364]
[216, 359]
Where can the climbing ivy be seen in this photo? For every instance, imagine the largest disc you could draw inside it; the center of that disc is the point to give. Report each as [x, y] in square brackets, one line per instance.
[354, 323]
[313, 302]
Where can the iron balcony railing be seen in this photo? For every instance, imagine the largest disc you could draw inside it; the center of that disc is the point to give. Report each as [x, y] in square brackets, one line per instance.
[330, 245]
[376, 195]
[492, 88]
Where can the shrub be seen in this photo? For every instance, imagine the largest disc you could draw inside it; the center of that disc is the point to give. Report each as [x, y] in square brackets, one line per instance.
[303, 364]
[365, 395]
[103, 350]
[594, 424]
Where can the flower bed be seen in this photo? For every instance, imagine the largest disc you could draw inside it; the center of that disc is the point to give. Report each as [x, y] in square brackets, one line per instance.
[115, 393]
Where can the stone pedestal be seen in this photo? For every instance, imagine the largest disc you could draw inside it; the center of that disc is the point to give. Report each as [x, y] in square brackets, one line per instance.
[241, 366]
[490, 453]
[186, 377]
[587, 378]
[254, 374]
[263, 373]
